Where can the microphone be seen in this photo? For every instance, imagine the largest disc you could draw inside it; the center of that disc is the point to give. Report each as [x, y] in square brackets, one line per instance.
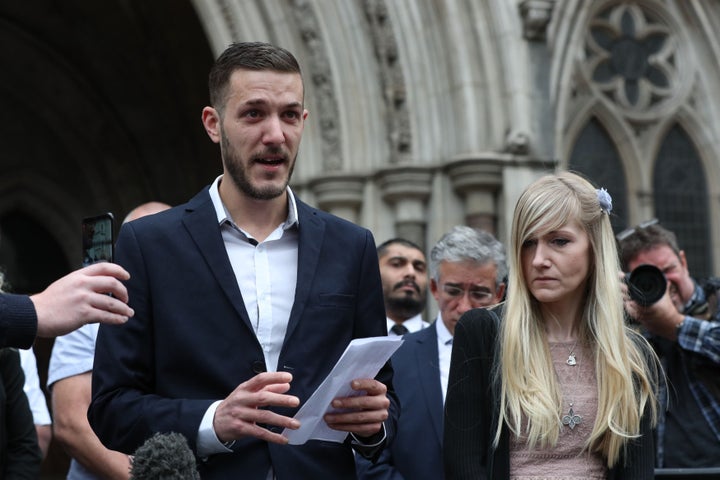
[164, 456]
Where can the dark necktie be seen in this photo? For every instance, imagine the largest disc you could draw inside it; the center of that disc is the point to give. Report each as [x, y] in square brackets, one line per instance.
[399, 329]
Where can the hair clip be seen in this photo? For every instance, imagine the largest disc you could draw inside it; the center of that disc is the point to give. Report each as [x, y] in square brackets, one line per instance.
[605, 200]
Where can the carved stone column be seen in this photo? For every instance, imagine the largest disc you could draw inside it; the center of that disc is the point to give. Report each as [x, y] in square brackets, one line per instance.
[407, 190]
[339, 195]
[477, 180]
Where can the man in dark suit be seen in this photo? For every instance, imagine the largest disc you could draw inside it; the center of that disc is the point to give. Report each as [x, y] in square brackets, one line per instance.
[403, 271]
[245, 298]
[467, 270]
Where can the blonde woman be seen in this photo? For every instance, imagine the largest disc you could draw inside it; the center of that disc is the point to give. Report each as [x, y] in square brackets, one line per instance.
[553, 384]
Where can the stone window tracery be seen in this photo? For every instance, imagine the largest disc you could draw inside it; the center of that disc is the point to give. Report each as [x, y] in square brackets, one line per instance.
[632, 58]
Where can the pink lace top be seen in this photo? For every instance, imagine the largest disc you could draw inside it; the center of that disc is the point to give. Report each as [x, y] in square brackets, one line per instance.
[566, 460]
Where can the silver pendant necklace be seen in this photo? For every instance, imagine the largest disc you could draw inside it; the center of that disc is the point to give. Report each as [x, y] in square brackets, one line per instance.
[571, 356]
[572, 419]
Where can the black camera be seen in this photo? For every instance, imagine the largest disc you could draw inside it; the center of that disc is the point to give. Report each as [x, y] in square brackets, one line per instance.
[646, 284]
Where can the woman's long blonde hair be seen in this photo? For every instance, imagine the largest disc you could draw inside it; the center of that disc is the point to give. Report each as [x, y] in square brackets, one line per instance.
[625, 374]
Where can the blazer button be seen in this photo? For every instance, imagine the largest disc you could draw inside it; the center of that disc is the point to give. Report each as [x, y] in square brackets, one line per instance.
[258, 366]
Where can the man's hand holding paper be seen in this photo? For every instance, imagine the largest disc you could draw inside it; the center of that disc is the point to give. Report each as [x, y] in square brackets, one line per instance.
[349, 399]
[366, 413]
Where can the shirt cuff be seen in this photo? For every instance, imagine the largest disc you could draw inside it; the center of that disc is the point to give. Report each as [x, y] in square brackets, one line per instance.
[207, 441]
[369, 451]
[357, 441]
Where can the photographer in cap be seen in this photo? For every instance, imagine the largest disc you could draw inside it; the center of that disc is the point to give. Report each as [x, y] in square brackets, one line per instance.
[684, 328]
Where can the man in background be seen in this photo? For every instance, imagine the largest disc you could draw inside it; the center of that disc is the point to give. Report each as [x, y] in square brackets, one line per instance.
[70, 382]
[684, 328]
[403, 271]
[36, 399]
[467, 270]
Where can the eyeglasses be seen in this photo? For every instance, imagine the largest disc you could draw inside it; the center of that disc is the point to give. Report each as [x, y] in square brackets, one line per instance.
[476, 295]
[632, 231]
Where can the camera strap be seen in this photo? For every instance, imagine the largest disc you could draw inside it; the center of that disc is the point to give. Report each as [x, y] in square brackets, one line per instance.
[698, 306]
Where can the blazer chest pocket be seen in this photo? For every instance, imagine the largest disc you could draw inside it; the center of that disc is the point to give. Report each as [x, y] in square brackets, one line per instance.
[336, 300]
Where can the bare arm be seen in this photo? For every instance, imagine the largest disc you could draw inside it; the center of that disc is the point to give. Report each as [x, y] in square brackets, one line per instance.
[44, 434]
[80, 297]
[70, 400]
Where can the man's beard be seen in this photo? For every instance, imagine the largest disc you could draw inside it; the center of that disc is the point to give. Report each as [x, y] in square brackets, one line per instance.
[238, 173]
[405, 307]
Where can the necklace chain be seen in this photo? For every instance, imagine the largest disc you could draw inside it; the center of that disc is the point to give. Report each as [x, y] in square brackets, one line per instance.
[572, 419]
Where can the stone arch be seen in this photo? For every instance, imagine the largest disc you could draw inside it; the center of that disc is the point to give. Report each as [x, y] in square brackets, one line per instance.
[49, 204]
[680, 197]
[416, 84]
[626, 144]
[67, 120]
[639, 135]
[701, 138]
[479, 35]
[595, 155]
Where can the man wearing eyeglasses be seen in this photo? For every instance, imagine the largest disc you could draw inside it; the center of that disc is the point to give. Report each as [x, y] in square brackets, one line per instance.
[467, 270]
[684, 328]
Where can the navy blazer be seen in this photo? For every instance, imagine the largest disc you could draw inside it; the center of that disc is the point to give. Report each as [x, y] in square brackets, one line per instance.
[191, 343]
[416, 452]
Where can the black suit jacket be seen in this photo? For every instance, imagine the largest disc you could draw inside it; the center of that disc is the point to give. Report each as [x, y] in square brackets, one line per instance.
[191, 343]
[472, 408]
[19, 451]
[416, 452]
[18, 321]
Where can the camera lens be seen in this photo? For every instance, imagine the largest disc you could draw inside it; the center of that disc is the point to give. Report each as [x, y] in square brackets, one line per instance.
[646, 284]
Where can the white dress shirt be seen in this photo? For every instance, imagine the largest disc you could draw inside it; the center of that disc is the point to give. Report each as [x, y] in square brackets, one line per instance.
[35, 395]
[413, 324]
[268, 293]
[444, 351]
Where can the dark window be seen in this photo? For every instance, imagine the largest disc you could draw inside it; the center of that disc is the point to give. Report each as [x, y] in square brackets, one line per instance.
[596, 157]
[681, 199]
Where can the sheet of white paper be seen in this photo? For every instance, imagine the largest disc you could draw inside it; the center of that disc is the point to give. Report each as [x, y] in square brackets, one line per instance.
[363, 358]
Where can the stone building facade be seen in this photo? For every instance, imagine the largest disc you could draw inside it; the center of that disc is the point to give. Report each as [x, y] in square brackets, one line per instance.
[426, 114]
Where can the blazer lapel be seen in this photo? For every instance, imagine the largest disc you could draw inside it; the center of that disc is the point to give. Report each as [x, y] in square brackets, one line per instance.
[201, 223]
[311, 231]
[429, 372]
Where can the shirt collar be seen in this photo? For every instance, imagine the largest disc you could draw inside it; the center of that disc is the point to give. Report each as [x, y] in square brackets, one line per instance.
[223, 215]
[413, 324]
[444, 335]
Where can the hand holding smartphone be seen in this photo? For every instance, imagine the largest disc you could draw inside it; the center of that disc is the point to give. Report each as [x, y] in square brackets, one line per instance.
[97, 239]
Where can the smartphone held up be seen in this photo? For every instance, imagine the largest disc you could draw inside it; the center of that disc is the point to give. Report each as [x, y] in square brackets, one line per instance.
[97, 239]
